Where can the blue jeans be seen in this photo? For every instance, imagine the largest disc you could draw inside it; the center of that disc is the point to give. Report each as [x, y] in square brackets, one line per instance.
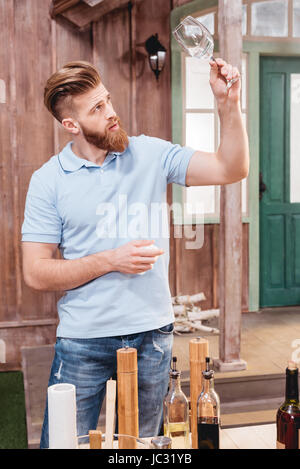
[89, 363]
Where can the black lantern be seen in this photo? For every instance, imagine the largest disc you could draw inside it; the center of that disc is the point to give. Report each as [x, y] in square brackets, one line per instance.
[157, 54]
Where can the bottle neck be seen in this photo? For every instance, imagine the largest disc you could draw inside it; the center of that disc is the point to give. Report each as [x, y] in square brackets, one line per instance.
[208, 384]
[175, 383]
[291, 385]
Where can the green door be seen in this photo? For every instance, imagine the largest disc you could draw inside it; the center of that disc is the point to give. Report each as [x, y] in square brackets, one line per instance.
[279, 181]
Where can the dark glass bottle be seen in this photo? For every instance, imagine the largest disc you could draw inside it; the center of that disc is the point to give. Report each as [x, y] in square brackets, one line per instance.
[208, 412]
[288, 414]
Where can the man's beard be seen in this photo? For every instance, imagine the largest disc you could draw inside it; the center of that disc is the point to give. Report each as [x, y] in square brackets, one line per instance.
[111, 140]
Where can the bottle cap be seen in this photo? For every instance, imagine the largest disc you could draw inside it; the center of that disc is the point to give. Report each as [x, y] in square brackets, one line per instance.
[174, 373]
[161, 442]
[292, 365]
[207, 373]
[126, 360]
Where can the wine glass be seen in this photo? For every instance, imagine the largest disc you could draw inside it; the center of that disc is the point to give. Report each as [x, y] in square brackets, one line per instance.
[196, 41]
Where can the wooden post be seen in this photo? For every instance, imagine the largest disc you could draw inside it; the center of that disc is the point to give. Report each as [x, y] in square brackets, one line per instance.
[230, 239]
[128, 414]
[95, 439]
[198, 350]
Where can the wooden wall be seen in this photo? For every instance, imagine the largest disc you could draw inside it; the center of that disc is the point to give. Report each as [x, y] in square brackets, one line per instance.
[32, 46]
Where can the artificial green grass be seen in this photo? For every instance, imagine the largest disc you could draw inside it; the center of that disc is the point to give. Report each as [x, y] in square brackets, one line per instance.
[13, 433]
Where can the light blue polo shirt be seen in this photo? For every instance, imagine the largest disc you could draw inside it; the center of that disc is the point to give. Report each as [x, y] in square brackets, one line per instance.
[87, 208]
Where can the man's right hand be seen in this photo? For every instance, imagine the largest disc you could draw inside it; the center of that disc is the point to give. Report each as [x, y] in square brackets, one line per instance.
[131, 258]
[43, 272]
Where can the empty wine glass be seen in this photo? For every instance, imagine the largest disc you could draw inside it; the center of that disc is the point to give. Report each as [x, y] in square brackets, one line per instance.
[196, 41]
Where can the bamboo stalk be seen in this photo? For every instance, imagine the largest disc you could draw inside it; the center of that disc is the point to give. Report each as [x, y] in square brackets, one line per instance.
[198, 350]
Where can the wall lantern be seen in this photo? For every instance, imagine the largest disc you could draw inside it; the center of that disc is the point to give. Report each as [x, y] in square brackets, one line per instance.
[157, 54]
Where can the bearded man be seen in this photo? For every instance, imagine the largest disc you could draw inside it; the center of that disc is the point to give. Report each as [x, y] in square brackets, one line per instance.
[108, 304]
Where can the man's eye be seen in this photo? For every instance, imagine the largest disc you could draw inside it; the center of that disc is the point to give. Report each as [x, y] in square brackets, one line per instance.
[97, 108]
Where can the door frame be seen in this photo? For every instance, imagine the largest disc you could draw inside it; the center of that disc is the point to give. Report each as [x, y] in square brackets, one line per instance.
[288, 292]
[255, 50]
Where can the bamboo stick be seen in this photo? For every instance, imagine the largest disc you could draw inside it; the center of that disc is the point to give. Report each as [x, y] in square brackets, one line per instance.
[95, 439]
[128, 414]
[110, 413]
[198, 350]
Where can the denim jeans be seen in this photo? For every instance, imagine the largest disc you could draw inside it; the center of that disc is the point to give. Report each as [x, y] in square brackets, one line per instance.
[89, 363]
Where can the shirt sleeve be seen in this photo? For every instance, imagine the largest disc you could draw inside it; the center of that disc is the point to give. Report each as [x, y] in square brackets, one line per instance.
[42, 222]
[175, 160]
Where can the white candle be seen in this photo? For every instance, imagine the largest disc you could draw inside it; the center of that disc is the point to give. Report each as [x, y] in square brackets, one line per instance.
[110, 413]
[62, 416]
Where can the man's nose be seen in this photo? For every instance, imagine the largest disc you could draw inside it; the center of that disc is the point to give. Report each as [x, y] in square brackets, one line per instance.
[110, 113]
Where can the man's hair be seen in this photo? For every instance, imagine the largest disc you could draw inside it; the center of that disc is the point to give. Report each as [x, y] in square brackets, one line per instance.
[72, 79]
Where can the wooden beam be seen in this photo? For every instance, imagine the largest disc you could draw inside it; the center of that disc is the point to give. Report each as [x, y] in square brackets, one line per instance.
[82, 14]
[59, 6]
[231, 234]
[133, 78]
[28, 323]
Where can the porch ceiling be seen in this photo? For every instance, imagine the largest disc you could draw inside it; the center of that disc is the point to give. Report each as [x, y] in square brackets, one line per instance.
[82, 12]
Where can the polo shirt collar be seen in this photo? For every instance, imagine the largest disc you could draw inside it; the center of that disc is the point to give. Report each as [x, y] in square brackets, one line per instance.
[71, 162]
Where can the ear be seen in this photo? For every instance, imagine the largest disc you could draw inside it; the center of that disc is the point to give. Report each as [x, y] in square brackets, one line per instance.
[70, 125]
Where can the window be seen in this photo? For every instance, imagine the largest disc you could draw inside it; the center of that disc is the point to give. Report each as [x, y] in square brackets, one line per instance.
[278, 19]
[202, 130]
[269, 18]
[208, 21]
[244, 20]
[296, 18]
[262, 20]
[294, 138]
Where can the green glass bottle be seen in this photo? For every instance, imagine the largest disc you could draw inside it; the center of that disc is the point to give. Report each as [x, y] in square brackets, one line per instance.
[288, 414]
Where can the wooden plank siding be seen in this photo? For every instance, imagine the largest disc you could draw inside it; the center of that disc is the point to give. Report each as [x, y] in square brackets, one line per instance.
[33, 45]
[112, 57]
[28, 139]
[198, 270]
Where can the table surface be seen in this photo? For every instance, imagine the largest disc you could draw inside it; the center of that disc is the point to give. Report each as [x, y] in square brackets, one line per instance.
[250, 437]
